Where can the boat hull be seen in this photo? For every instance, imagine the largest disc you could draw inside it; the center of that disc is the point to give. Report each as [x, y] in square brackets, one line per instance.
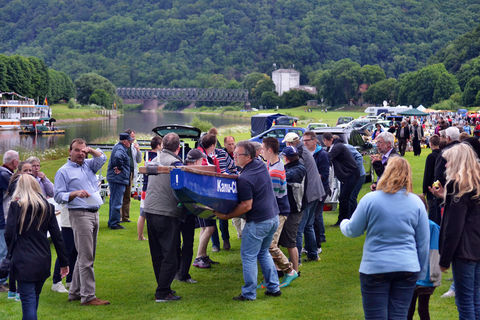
[202, 192]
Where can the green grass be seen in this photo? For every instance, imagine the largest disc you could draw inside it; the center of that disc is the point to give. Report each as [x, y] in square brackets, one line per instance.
[328, 289]
[62, 112]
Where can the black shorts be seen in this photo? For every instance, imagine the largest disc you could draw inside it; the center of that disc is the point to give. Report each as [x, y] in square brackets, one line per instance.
[203, 223]
[288, 237]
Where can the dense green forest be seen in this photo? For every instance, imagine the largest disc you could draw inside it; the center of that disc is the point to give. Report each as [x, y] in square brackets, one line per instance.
[173, 43]
[30, 76]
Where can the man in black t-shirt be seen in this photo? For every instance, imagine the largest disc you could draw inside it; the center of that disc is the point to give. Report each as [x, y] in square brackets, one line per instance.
[258, 203]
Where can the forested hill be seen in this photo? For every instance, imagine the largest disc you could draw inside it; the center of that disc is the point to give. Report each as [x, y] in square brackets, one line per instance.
[170, 42]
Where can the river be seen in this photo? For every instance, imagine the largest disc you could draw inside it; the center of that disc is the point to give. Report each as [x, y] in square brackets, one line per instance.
[90, 130]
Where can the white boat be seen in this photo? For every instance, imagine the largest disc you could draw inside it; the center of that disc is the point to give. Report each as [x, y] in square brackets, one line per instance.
[17, 110]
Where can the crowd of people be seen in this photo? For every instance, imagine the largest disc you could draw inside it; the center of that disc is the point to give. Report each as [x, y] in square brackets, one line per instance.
[409, 240]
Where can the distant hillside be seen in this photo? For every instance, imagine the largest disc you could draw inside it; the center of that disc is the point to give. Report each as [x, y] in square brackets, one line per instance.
[459, 51]
[169, 42]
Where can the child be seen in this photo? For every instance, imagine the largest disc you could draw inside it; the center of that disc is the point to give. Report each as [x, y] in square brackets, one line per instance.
[425, 287]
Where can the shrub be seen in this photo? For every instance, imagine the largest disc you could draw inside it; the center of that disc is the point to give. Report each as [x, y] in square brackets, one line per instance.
[203, 125]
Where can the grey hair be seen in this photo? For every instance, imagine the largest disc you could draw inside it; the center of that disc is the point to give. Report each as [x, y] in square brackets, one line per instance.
[257, 145]
[9, 156]
[453, 133]
[387, 137]
[249, 148]
[32, 160]
[171, 141]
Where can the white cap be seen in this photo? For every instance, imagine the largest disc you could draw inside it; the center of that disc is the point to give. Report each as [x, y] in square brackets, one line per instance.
[291, 137]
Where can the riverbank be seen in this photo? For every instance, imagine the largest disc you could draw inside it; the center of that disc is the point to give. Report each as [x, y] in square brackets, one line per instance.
[62, 113]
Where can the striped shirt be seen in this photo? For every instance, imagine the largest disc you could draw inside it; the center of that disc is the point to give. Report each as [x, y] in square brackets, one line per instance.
[279, 181]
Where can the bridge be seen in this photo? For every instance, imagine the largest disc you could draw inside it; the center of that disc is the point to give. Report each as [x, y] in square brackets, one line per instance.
[150, 97]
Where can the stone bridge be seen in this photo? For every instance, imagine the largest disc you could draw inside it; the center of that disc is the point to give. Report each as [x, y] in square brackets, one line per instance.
[150, 97]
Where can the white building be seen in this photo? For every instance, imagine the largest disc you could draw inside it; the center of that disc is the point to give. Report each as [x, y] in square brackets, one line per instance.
[285, 79]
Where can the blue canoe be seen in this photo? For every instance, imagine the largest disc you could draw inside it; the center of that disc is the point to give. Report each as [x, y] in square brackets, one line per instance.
[201, 192]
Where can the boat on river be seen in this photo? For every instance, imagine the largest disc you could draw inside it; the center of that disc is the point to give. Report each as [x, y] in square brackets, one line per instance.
[42, 128]
[17, 110]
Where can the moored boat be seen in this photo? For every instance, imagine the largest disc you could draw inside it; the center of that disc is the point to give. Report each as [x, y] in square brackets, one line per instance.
[16, 110]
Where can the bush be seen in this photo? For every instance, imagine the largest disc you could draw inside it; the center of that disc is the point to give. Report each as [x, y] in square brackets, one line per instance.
[448, 104]
[72, 104]
[203, 125]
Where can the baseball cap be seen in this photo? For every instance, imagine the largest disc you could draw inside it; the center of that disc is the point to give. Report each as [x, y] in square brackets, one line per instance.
[289, 151]
[290, 137]
[125, 136]
[194, 155]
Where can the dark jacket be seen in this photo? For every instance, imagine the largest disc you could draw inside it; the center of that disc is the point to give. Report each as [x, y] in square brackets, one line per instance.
[406, 133]
[343, 163]
[313, 184]
[120, 159]
[429, 174]
[5, 175]
[459, 232]
[31, 255]
[295, 172]
[379, 167]
[323, 165]
[440, 165]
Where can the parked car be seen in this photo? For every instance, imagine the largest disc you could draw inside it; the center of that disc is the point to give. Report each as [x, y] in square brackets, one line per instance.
[278, 132]
[355, 139]
[356, 123]
[367, 129]
[342, 120]
[264, 121]
[315, 125]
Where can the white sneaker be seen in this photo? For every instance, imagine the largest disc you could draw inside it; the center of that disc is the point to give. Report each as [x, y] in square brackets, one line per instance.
[319, 250]
[58, 287]
[448, 294]
[304, 251]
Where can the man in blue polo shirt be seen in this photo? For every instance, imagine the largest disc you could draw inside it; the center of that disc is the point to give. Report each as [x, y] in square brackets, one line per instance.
[258, 203]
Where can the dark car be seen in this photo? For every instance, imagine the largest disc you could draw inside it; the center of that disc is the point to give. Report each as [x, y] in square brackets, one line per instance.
[278, 132]
[342, 120]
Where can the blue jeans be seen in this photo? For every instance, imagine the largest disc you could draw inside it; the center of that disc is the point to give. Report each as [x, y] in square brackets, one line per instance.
[319, 225]
[354, 194]
[387, 295]
[466, 276]
[29, 295]
[116, 198]
[3, 250]
[256, 239]
[306, 227]
[223, 224]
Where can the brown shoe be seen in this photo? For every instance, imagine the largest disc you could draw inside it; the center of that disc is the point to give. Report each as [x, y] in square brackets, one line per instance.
[3, 288]
[96, 302]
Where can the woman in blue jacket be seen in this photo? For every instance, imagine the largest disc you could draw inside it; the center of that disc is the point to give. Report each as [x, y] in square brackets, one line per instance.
[396, 249]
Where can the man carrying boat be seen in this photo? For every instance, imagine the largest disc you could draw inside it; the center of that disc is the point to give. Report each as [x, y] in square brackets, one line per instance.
[258, 203]
[163, 220]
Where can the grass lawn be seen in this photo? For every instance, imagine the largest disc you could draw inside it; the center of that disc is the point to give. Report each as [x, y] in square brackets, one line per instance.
[61, 112]
[328, 289]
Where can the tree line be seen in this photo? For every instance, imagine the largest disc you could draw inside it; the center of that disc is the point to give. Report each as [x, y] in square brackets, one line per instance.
[168, 43]
[30, 77]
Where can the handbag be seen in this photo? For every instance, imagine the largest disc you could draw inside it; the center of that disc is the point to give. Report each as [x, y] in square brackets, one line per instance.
[6, 263]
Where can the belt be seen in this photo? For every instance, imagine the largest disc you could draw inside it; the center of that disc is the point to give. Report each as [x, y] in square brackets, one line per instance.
[86, 209]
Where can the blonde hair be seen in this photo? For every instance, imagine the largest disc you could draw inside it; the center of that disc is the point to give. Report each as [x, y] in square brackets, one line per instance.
[397, 175]
[463, 170]
[28, 194]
